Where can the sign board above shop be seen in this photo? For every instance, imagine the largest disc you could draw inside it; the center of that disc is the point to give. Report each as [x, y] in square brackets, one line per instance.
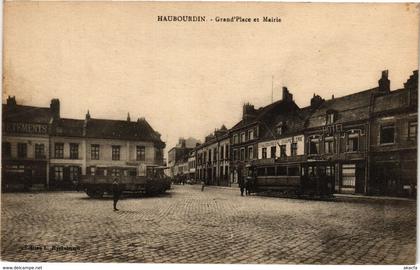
[288, 140]
[26, 128]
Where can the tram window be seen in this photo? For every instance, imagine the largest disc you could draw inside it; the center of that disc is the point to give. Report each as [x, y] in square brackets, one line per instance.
[261, 171]
[132, 172]
[281, 170]
[271, 171]
[293, 171]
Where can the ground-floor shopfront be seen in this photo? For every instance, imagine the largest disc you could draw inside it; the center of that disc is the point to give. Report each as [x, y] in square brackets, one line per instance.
[24, 174]
[394, 174]
[64, 176]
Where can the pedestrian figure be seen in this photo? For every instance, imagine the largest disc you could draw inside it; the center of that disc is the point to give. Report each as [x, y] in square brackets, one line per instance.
[241, 185]
[116, 192]
[202, 185]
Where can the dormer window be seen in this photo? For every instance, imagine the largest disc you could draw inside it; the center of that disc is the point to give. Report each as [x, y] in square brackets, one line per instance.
[280, 128]
[330, 118]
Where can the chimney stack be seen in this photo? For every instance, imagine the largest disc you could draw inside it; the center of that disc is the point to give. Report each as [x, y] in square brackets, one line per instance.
[55, 108]
[11, 101]
[316, 101]
[384, 83]
[286, 95]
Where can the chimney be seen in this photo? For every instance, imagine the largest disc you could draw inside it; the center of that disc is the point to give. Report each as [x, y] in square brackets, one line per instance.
[128, 117]
[316, 101]
[384, 83]
[55, 108]
[11, 101]
[286, 95]
[87, 115]
[248, 111]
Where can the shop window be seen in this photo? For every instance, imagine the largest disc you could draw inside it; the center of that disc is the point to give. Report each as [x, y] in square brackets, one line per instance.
[6, 149]
[264, 152]
[273, 152]
[92, 170]
[74, 151]
[115, 172]
[58, 173]
[22, 150]
[412, 130]
[283, 151]
[387, 134]
[94, 151]
[39, 151]
[293, 149]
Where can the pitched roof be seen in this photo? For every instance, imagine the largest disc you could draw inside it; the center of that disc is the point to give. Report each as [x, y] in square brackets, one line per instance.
[67, 127]
[349, 108]
[120, 129]
[26, 114]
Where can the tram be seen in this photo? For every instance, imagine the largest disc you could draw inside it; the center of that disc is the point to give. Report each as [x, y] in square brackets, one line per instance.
[292, 179]
[131, 180]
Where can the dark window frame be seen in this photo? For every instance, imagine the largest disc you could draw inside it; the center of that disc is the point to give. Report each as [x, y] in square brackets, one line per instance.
[95, 151]
[382, 136]
[39, 150]
[22, 150]
[59, 150]
[116, 152]
[74, 151]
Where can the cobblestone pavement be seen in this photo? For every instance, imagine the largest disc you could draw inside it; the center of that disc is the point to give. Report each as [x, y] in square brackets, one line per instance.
[214, 226]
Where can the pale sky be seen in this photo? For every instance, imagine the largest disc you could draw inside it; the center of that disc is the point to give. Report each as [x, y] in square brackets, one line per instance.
[187, 79]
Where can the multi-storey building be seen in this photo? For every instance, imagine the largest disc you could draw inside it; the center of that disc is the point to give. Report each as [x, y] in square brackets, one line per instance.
[257, 124]
[213, 159]
[179, 153]
[393, 140]
[73, 147]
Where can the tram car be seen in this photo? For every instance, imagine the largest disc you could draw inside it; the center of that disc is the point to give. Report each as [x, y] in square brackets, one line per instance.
[300, 179]
[150, 181]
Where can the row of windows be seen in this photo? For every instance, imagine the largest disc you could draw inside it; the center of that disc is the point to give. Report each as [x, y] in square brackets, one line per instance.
[211, 154]
[243, 136]
[22, 150]
[329, 145]
[283, 153]
[241, 154]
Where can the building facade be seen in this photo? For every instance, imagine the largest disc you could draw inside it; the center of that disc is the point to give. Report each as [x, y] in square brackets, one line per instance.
[65, 149]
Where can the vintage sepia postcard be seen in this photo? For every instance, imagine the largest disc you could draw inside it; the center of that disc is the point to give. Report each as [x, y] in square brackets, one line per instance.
[265, 133]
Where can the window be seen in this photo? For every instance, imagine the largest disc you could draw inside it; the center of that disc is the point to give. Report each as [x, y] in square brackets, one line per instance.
[412, 131]
[235, 138]
[235, 154]
[330, 118]
[209, 155]
[250, 152]
[227, 151]
[314, 146]
[22, 150]
[293, 171]
[353, 143]
[39, 151]
[221, 152]
[58, 173]
[92, 170]
[74, 151]
[6, 149]
[115, 172]
[116, 149]
[242, 154]
[264, 152]
[250, 134]
[74, 173]
[59, 150]
[242, 137]
[293, 149]
[283, 151]
[273, 152]
[281, 170]
[94, 151]
[279, 130]
[329, 145]
[387, 134]
[214, 154]
[271, 171]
